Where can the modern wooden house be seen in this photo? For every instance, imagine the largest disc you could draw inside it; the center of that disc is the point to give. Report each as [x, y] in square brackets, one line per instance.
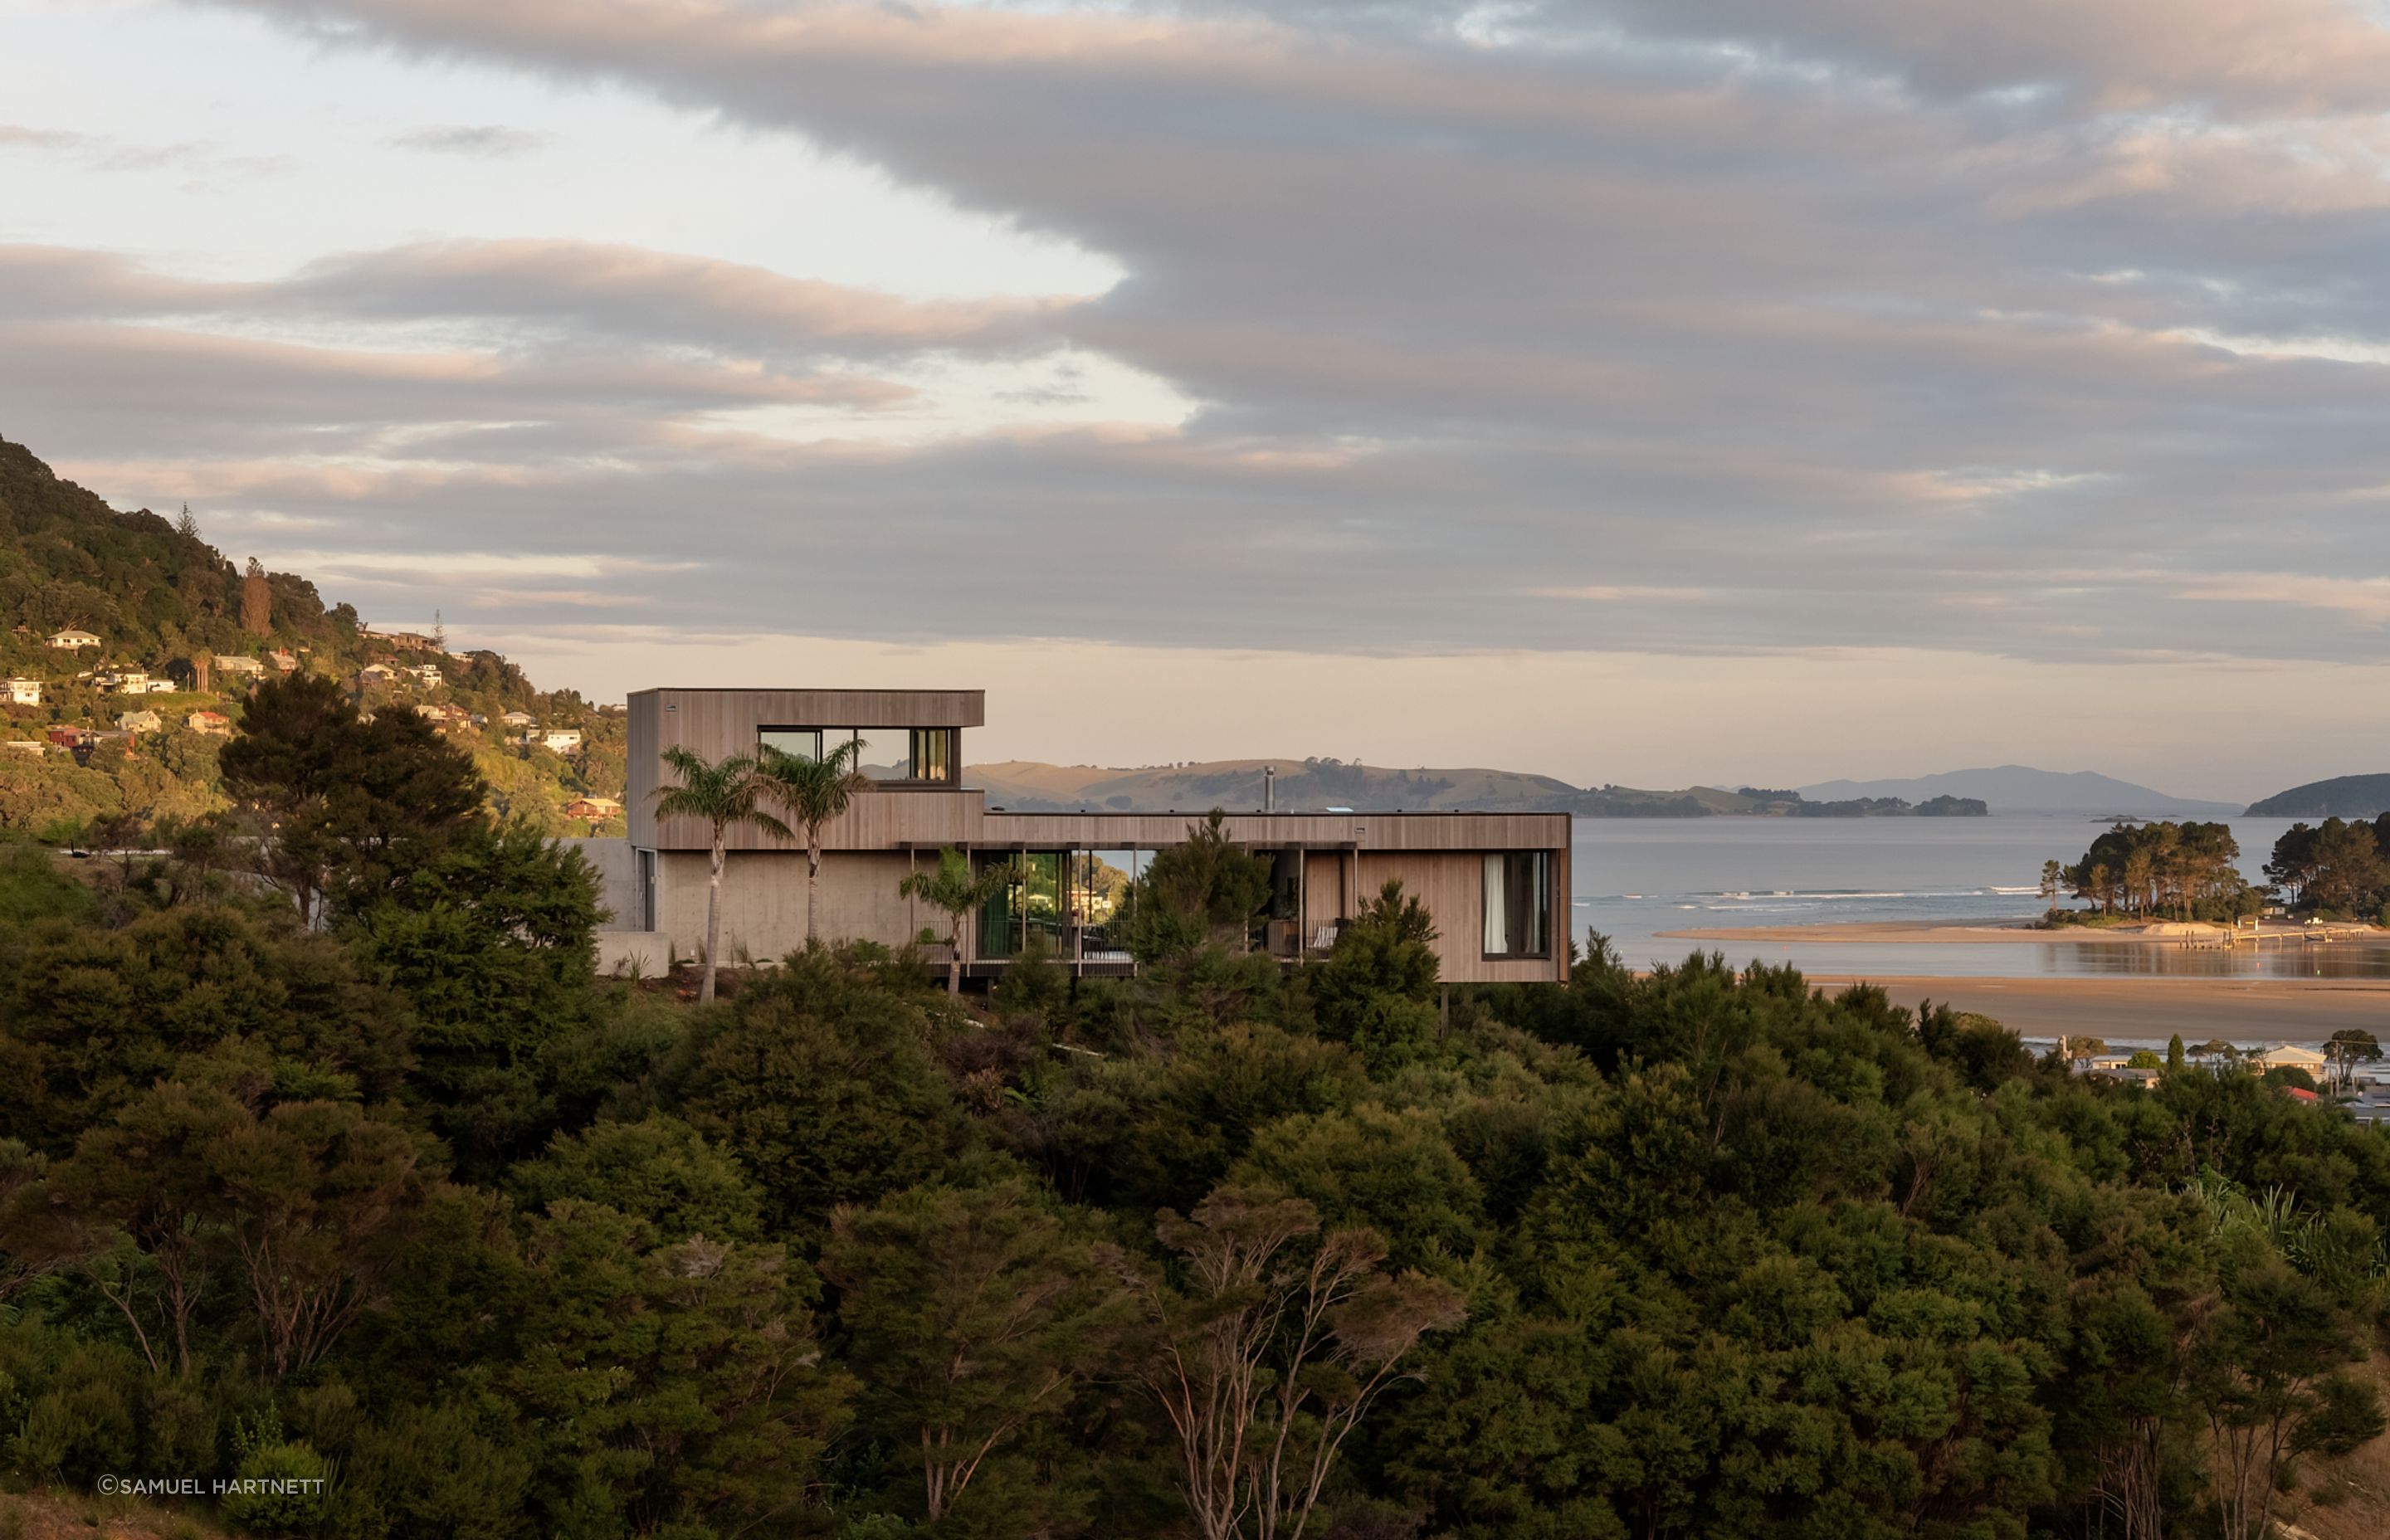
[1497, 883]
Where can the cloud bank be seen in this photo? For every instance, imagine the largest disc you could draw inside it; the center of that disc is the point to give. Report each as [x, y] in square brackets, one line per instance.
[2050, 332]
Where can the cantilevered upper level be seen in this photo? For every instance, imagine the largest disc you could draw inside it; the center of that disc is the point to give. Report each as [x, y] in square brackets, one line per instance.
[911, 741]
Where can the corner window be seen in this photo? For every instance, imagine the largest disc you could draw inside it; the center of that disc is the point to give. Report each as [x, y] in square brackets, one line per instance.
[1518, 904]
[885, 754]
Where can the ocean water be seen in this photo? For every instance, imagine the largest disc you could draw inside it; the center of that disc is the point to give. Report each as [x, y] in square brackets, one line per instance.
[1636, 877]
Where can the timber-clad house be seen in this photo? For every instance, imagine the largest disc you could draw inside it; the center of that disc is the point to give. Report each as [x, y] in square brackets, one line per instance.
[1497, 883]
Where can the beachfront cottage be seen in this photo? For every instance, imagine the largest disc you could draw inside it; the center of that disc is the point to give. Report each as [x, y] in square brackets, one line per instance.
[2289, 1056]
[1497, 884]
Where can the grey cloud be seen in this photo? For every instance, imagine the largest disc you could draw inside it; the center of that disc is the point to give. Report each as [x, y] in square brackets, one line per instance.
[482, 141]
[1865, 355]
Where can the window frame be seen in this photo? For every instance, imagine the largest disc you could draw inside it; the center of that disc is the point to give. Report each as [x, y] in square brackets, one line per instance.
[1543, 887]
[828, 738]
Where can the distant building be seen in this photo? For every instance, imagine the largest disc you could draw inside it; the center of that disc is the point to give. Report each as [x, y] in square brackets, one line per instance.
[516, 719]
[215, 723]
[401, 641]
[427, 675]
[24, 692]
[26, 746]
[2288, 1055]
[373, 673]
[69, 738]
[283, 661]
[561, 740]
[69, 641]
[596, 809]
[229, 664]
[138, 722]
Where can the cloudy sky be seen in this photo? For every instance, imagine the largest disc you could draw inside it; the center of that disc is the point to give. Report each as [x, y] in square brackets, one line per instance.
[1638, 390]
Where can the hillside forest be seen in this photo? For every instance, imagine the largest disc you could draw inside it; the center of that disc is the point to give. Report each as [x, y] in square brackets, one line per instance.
[103, 739]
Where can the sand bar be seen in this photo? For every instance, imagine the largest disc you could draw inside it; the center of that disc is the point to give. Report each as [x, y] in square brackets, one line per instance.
[2009, 932]
[2293, 1011]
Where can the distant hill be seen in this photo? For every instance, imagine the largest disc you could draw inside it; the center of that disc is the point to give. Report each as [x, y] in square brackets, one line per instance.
[2341, 797]
[1313, 785]
[1309, 785]
[2022, 788]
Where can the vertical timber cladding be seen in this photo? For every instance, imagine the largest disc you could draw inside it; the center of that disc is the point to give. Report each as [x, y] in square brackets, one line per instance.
[717, 723]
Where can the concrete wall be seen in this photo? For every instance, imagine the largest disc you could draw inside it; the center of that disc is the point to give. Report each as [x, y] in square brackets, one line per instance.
[633, 953]
[616, 879]
[763, 901]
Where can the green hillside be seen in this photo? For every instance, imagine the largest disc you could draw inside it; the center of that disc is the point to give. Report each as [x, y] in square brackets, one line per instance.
[162, 602]
[2341, 797]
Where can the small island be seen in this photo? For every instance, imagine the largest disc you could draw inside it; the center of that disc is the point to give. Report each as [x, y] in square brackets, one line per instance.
[1791, 804]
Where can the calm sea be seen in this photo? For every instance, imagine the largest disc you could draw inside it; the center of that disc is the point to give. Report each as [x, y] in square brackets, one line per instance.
[1638, 877]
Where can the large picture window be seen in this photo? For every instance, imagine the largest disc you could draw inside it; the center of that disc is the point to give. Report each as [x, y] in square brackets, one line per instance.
[885, 755]
[1518, 904]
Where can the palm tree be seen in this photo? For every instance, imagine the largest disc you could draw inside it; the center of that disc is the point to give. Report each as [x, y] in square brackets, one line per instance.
[954, 893]
[813, 791]
[723, 793]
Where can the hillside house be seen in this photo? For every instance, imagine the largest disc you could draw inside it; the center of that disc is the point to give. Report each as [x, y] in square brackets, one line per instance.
[427, 675]
[69, 641]
[32, 748]
[559, 740]
[138, 722]
[283, 661]
[516, 719]
[598, 810]
[401, 641]
[69, 738]
[1497, 884]
[24, 692]
[232, 665]
[373, 674]
[214, 724]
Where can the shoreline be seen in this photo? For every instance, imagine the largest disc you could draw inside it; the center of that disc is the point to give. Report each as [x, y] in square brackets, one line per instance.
[2013, 933]
[2290, 1010]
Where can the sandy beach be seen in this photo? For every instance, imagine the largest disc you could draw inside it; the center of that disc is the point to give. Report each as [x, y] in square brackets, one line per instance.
[2012, 932]
[2293, 1011]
